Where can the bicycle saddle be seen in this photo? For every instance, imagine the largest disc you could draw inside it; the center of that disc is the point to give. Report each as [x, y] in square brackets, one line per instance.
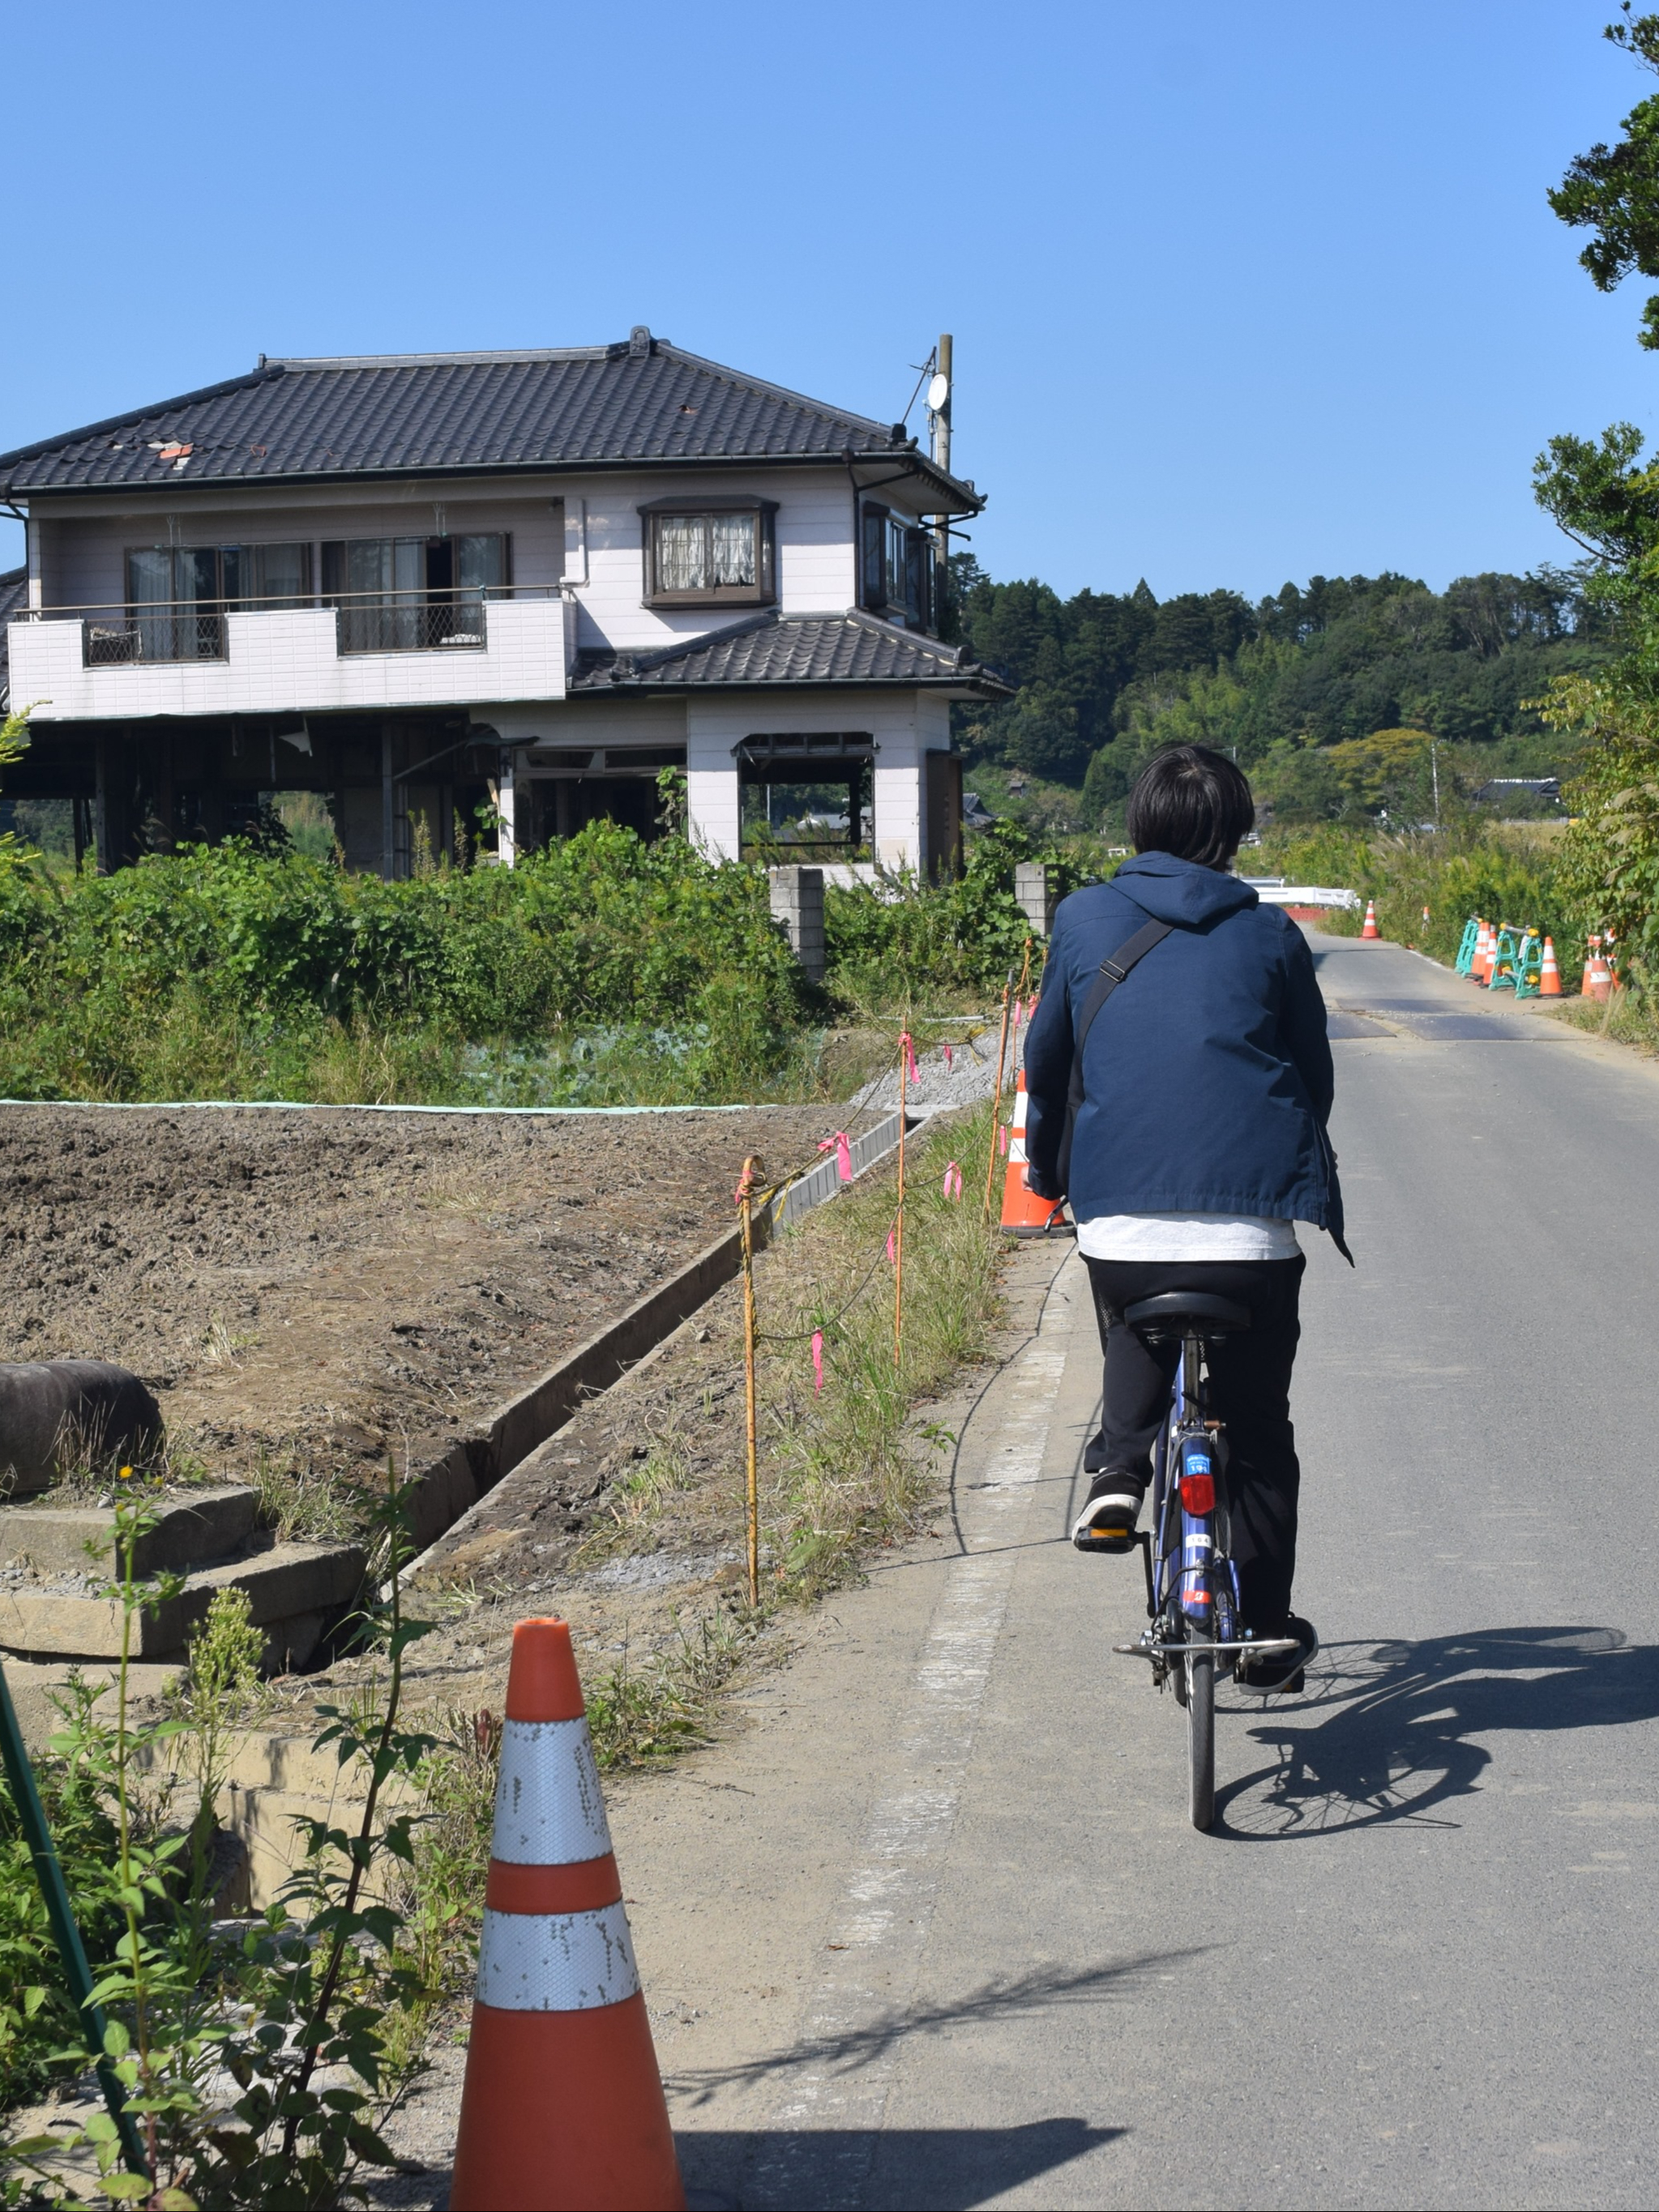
[1187, 1313]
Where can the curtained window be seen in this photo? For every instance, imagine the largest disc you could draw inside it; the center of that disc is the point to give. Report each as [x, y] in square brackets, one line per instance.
[709, 556]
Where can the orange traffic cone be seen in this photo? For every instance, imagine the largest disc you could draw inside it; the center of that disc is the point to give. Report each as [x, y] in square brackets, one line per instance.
[1024, 1213]
[1477, 965]
[1600, 985]
[1371, 928]
[1549, 975]
[1592, 954]
[563, 2109]
[1489, 965]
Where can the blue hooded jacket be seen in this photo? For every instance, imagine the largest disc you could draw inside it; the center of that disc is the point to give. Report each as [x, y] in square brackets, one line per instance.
[1208, 1077]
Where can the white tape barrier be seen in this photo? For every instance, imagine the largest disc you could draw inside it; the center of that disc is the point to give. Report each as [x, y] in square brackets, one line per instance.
[1273, 891]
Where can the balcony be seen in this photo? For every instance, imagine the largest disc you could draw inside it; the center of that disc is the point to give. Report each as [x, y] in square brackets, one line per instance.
[355, 651]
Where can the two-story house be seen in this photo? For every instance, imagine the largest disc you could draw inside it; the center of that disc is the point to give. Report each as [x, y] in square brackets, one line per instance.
[438, 589]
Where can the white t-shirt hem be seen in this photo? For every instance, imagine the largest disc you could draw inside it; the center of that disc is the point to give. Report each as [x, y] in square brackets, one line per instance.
[1174, 1236]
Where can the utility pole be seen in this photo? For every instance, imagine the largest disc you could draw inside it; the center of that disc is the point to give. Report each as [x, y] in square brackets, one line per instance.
[1434, 770]
[939, 396]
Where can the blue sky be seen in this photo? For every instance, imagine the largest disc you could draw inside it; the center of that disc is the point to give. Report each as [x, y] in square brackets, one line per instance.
[1239, 292]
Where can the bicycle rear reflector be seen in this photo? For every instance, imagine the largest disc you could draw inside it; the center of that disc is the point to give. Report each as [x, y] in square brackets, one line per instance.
[1198, 1492]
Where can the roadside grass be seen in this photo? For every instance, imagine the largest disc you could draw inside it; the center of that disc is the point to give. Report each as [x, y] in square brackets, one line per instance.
[303, 1504]
[843, 1472]
[849, 1469]
[1625, 1017]
[643, 1714]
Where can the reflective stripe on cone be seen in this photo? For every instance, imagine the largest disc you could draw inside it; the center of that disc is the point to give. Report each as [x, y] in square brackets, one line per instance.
[556, 1962]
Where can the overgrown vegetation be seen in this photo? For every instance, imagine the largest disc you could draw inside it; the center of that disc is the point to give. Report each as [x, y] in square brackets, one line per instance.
[256, 2068]
[1606, 496]
[1509, 874]
[605, 971]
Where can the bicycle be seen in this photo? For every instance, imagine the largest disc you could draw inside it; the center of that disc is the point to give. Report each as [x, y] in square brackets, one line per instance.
[1192, 1583]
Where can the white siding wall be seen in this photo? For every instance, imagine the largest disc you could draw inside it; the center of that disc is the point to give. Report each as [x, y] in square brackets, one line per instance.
[286, 661]
[814, 526]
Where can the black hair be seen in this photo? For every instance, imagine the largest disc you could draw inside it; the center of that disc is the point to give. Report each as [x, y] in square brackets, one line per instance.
[1193, 802]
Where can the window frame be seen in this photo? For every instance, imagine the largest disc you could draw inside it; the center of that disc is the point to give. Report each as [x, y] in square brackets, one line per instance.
[894, 554]
[762, 593]
[241, 601]
[332, 553]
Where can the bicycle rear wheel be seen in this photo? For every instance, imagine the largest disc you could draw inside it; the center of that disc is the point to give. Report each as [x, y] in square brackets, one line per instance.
[1199, 1666]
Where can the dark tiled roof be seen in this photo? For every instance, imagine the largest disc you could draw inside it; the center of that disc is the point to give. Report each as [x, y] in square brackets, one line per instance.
[595, 406]
[795, 649]
[13, 591]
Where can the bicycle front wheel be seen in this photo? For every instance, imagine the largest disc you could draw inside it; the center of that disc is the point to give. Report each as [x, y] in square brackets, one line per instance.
[1199, 1666]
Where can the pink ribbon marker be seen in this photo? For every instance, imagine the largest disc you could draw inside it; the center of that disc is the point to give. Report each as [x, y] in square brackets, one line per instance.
[843, 1152]
[1002, 1139]
[950, 1058]
[909, 1051]
[953, 1181]
[892, 1249]
[1015, 1013]
[817, 1359]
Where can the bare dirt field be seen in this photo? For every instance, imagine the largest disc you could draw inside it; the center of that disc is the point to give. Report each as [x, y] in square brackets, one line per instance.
[317, 1286]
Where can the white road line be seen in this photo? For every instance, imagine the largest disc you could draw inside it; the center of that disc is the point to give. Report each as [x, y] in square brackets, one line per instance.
[851, 2023]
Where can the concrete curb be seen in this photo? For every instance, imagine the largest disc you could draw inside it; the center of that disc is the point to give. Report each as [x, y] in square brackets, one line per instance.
[443, 1495]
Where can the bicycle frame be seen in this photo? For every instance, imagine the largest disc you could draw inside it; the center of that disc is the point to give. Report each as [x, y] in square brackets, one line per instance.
[1192, 1584]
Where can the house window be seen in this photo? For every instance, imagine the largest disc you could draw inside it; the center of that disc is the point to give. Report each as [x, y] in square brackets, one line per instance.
[238, 575]
[402, 594]
[177, 596]
[710, 554]
[895, 568]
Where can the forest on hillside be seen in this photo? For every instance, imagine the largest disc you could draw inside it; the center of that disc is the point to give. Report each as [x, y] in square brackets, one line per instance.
[1328, 693]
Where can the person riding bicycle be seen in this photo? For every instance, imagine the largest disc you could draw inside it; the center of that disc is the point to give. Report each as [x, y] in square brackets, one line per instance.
[1200, 1142]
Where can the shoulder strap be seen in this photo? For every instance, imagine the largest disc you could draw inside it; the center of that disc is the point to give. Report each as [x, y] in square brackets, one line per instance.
[1112, 973]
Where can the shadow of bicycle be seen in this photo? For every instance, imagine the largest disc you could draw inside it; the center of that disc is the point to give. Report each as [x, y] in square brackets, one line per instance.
[1393, 1731]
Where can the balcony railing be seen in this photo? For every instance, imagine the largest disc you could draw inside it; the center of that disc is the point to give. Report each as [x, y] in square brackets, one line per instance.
[409, 622]
[164, 631]
[113, 638]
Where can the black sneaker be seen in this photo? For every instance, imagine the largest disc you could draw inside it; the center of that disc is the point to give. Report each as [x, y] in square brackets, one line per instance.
[1280, 1673]
[1107, 1522]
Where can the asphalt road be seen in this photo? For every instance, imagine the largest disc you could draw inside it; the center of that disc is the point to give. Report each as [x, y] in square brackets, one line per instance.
[937, 1933]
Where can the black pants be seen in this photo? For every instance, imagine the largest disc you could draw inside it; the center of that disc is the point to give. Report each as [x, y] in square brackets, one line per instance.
[1249, 1392]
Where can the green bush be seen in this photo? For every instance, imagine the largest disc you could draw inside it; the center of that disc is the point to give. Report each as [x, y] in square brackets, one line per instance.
[901, 940]
[37, 2015]
[603, 970]
[235, 972]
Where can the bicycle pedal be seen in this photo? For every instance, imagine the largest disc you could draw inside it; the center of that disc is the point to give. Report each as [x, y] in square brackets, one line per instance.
[1117, 1540]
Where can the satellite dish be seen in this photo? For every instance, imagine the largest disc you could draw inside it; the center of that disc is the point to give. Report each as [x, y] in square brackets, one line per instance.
[939, 393]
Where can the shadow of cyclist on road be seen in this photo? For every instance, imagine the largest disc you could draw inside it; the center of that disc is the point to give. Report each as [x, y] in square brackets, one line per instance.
[1392, 1731]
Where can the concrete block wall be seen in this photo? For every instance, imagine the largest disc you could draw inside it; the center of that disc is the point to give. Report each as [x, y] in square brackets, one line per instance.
[798, 903]
[1037, 895]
